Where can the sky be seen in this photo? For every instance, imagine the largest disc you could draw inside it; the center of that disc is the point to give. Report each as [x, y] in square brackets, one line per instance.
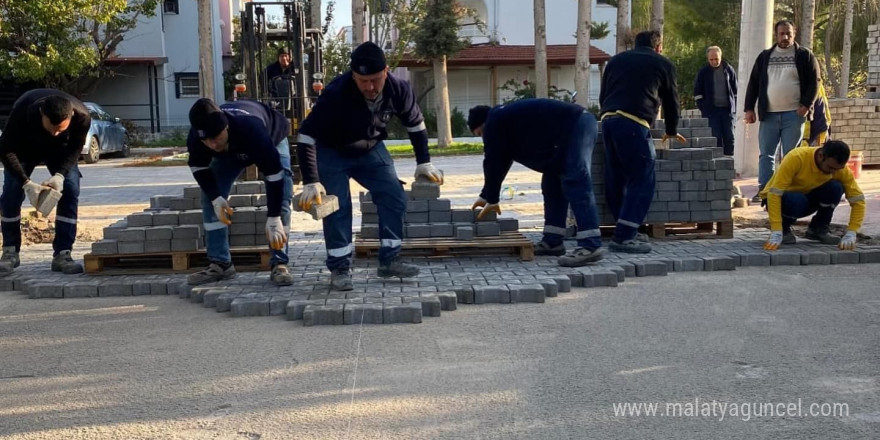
[341, 15]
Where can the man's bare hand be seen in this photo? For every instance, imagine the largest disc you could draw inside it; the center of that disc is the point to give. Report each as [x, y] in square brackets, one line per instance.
[749, 117]
[802, 111]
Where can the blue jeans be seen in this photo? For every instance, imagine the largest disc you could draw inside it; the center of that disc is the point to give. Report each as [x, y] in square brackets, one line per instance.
[785, 128]
[721, 122]
[629, 174]
[822, 201]
[216, 233]
[374, 170]
[573, 187]
[65, 212]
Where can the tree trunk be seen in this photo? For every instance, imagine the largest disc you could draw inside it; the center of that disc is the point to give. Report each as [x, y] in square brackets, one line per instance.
[206, 49]
[807, 25]
[623, 12]
[582, 58]
[541, 87]
[315, 14]
[441, 86]
[657, 15]
[357, 22]
[843, 88]
[829, 34]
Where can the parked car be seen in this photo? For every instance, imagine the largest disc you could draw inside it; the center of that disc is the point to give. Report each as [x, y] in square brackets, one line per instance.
[106, 135]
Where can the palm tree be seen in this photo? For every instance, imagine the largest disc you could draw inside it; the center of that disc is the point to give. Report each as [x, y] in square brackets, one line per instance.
[622, 25]
[847, 50]
[357, 22]
[657, 15]
[541, 87]
[582, 59]
[809, 20]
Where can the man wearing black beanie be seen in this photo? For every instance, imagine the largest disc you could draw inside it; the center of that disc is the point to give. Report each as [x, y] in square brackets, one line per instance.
[222, 142]
[342, 139]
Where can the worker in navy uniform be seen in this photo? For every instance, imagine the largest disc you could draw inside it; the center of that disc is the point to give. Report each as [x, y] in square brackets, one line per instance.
[222, 142]
[342, 139]
[561, 148]
[46, 126]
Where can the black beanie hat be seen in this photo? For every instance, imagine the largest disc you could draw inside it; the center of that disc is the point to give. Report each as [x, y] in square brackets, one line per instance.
[367, 59]
[477, 116]
[207, 119]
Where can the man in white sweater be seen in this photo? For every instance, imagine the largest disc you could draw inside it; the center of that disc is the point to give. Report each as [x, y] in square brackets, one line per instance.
[784, 83]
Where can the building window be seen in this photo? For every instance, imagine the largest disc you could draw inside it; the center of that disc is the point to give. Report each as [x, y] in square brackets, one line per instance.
[171, 7]
[187, 85]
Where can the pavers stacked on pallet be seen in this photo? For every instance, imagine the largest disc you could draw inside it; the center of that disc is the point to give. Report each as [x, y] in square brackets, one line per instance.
[693, 181]
[429, 216]
[175, 224]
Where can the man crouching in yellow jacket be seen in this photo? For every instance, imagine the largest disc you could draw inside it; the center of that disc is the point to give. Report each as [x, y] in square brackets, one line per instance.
[812, 180]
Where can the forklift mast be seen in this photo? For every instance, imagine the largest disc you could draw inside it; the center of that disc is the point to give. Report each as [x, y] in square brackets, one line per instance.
[267, 27]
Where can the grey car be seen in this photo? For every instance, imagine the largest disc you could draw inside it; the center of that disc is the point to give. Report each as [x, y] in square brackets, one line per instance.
[106, 135]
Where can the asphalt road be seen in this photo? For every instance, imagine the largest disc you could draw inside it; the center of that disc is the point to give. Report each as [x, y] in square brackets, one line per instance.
[162, 368]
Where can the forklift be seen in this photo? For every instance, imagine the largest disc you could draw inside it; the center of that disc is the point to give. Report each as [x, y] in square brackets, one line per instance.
[267, 27]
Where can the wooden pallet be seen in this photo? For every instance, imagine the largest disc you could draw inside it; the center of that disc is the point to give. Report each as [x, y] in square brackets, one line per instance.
[245, 259]
[505, 244]
[689, 231]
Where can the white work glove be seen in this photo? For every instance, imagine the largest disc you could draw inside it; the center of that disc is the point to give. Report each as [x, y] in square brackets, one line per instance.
[848, 241]
[430, 172]
[487, 207]
[33, 190]
[311, 194]
[56, 182]
[275, 233]
[222, 210]
[774, 241]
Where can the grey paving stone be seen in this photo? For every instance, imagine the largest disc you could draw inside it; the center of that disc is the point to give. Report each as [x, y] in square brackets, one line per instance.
[139, 287]
[157, 246]
[401, 313]
[242, 307]
[650, 268]
[187, 232]
[711, 264]
[508, 224]
[224, 301]
[430, 304]
[487, 229]
[246, 214]
[355, 314]
[551, 289]
[45, 290]
[757, 258]
[448, 300]
[192, 192]
[278, 305]
[464, 233]
[344, 301]
[417, 206]
[488, 217]
[416, 217]
[295, 307]
[158, 233]
[130, 247]
[241, 229]
[869, 255]
[209, 298]
[440, 217]
[105, 247]
[465, 294]
[844, 257]
[425, 191]
[140, 219]
[324, 315]
[197, 293]
[577, 279]
[183, 245]
[815, 258]
[382, 300]
[563, 283]
[496, 294]
[418, 231]
[132, 234]
[439, 205]
[165, 218]
[782, 258]
[462, 216]
[370, 231]
[441, 229]
[114, 288]
[158, 288]
[619, 271]
[531, 293]
[81, 289]
[370, 218]
[604, 278]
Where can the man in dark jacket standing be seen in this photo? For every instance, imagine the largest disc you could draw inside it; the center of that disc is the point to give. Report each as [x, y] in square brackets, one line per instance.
[46, 126]
[715, 94]
[561, 150]
[634, 85]
[784, 83]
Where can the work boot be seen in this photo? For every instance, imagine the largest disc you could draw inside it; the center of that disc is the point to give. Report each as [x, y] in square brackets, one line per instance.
[281, 275]
[64, 263]
[581, 257]
[788, 237]
[630, 246]
[542, 248]
[642, 237]
[756, 200]
[9, 261]
[397, 269]
[214, 272]
[821, 235]
[340, 279]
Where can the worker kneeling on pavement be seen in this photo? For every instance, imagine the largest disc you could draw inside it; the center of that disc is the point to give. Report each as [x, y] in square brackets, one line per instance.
[342, 139]
[811, 180]
[222, 142]
[554, 138]
[49, 127]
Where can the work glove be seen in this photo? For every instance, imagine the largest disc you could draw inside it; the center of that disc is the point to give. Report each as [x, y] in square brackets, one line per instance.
[681, 139]
[311, 194]
[430, 172]
[774, 241]
[848, 241]
[33, 190]
[222, 210]
[275, 233]
[55, 182]
[487, 207]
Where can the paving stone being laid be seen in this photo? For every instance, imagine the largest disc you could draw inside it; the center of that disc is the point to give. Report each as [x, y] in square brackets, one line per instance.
[324, 315]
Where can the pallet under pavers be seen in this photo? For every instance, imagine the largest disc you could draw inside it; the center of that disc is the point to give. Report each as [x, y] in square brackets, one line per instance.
[472, 280]
[506, 243]
[244, 258]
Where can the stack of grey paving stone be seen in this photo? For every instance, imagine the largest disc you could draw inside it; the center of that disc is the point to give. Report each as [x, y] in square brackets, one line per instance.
[429, 216]
[693, 181]
[175, 224]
